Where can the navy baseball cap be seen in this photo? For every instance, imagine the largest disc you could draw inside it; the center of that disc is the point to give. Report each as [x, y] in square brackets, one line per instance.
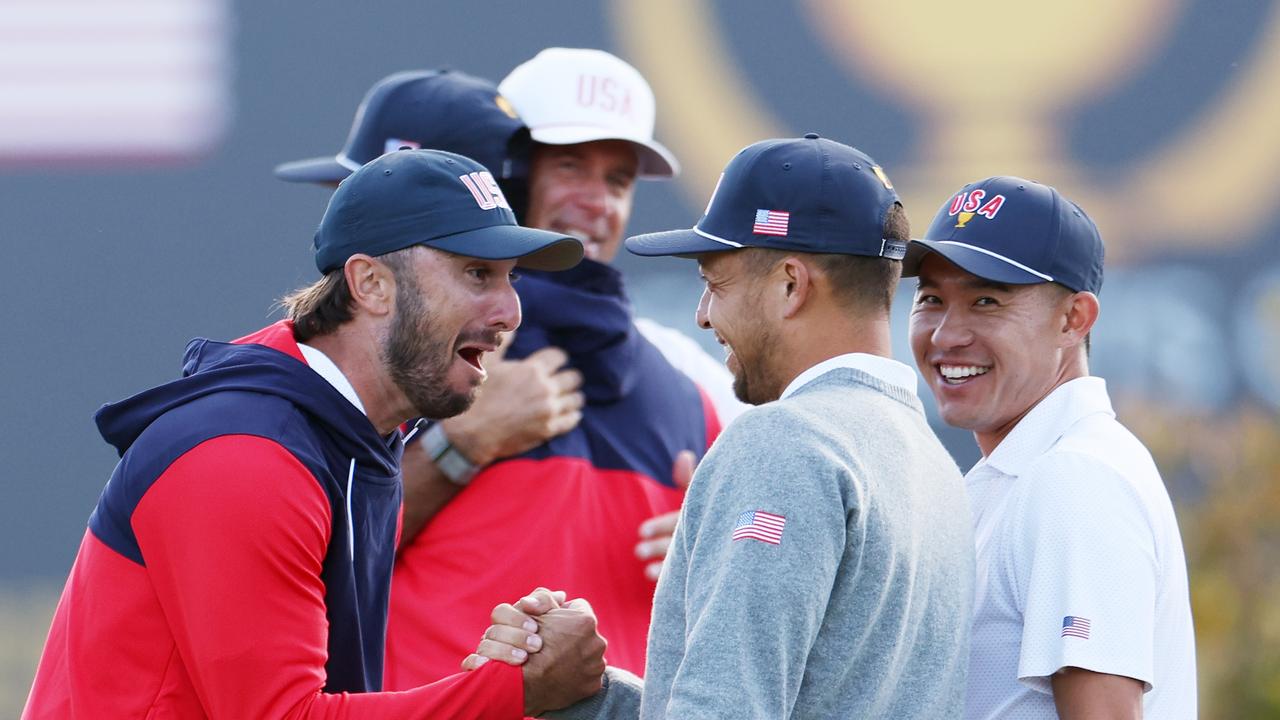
[1014, 231]
[806, 194]
[438, 109]
[433, 198]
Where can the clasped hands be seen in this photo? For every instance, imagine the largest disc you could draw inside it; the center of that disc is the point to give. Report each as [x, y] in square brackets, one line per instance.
[554, 640]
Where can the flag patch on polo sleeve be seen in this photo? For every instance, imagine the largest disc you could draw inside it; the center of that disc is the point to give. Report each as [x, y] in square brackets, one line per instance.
[759, 525]
[1074, 626]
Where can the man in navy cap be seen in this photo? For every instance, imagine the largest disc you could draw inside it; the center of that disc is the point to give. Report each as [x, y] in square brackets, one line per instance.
[1082, 608]
[588, 406]
[238, 562]
[823, 565]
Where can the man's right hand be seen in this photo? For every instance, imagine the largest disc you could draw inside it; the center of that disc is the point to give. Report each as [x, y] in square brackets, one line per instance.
[522, 404]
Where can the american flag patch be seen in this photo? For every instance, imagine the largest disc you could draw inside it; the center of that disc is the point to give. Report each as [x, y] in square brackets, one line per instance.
[771, 222]
[759, 525]
[1075, 627]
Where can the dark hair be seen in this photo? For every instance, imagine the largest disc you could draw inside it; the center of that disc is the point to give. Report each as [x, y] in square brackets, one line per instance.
[866, 283]
[321, 307]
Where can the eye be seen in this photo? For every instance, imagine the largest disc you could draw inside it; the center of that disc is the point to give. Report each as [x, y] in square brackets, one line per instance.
[479, 274]
[513, 277]
[621, 181]
[926, 299]
[986, 301]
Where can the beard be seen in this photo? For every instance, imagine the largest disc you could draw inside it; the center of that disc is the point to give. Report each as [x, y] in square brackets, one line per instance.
[755, 383]
[418, 360]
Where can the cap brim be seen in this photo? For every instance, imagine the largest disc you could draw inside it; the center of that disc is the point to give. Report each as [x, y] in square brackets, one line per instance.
[313, 170]
[656, 161]
[983, 263]
[533, 249]
[683, 243]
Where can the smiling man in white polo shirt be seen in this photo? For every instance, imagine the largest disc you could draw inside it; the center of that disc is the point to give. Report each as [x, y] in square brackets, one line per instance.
[1082, 607]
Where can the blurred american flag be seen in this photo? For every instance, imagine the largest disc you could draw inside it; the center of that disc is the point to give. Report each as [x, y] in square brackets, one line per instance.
[119, 82]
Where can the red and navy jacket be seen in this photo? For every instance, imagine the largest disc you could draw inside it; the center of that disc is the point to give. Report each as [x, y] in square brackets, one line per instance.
[238, 562]
[566, 514]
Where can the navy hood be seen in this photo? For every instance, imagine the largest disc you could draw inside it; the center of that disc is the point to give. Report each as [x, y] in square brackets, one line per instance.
[585, 312]
[210, 367]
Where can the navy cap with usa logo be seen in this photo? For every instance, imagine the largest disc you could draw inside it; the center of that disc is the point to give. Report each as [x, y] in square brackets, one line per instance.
[807, 194]
[433, 198]
[1011, 230]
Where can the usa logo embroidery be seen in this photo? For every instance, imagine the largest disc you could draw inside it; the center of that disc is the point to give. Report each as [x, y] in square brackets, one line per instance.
[760, 525]
[969, 204]
[1074, 626]
[485, 190]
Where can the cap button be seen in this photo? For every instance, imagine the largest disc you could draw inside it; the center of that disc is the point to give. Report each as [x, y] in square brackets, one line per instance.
[811, 136]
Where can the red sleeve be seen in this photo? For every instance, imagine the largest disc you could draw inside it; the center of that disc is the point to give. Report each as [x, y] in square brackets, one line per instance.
[234, 534]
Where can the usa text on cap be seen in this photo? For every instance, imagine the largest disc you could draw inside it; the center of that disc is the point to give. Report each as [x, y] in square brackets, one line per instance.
[1016, 231]
[807, 194]
[576, 95]
[433, 198]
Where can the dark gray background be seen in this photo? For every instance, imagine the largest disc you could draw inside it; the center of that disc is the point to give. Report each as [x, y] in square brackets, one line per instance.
[111, 271]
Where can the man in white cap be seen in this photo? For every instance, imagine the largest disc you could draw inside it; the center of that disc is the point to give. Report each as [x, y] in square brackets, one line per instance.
[588, 110]
[565, 513]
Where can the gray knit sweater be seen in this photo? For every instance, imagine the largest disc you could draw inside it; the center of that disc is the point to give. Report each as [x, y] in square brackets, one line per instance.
[862, 608]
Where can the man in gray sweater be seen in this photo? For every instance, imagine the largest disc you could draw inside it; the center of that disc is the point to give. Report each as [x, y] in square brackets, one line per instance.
[823, 565]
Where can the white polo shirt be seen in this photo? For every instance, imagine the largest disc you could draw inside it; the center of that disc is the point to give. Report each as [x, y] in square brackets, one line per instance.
[1079, 563]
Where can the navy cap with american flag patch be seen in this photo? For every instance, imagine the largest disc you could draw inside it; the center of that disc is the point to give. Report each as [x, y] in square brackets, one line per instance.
[807, 194]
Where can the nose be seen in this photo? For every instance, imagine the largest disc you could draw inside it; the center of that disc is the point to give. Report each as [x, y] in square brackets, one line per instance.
[593, 195]
[951, 332]
[506, 313]
[703, 314]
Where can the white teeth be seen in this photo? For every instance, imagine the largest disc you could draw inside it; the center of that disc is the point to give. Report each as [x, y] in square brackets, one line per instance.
[575, 233]
[955, 372]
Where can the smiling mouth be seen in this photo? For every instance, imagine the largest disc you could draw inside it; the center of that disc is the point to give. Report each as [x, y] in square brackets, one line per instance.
[728, 350]
[961, 374]
[590, 245]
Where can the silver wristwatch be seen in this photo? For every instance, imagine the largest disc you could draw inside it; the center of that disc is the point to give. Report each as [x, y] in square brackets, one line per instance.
[455, 466]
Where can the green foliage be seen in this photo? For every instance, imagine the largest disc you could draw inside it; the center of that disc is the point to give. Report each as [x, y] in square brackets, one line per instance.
[1231, 530]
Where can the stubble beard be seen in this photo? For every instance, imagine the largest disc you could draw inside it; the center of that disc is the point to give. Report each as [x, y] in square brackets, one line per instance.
[757, 386]
[419, 361]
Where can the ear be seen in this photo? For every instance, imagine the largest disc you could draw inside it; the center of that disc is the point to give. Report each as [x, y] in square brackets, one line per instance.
[1080, 312]
[372, 284]
[797, 285]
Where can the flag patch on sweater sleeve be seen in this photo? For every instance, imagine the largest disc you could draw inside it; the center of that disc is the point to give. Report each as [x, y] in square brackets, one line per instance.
[759, 525]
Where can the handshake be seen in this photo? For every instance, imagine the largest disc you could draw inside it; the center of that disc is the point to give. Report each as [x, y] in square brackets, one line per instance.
[555, 641]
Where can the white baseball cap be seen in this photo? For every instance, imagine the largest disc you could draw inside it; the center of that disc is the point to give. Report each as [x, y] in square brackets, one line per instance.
[575, 95]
